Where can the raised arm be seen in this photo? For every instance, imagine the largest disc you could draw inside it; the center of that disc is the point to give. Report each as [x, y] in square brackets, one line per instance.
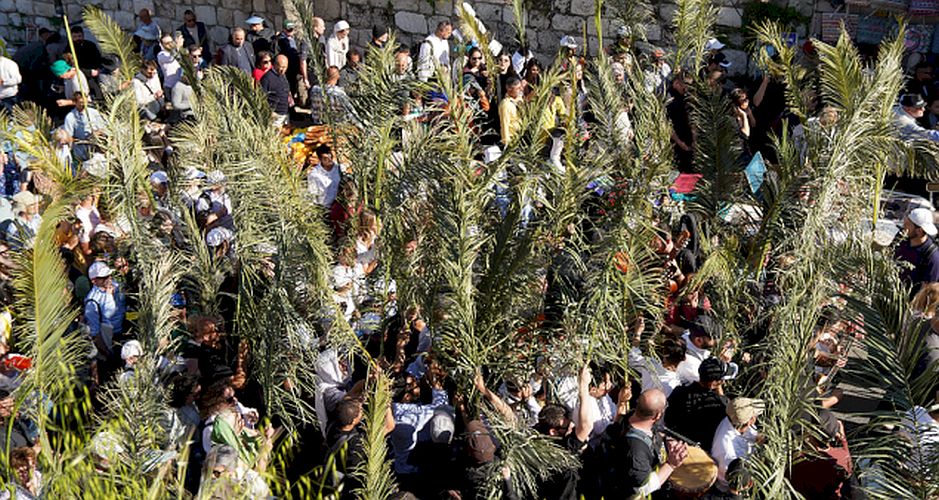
[493, 398]
[584, 417]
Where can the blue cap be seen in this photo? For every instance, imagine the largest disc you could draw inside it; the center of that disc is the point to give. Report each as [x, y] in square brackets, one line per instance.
[254, 20]
[177, 300]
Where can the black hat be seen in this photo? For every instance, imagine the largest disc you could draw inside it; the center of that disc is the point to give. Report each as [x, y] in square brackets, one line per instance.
[912, 101]
[712, 369]
[379, 30]
[705, 326]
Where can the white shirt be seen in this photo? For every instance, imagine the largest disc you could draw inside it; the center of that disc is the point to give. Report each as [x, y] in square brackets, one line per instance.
[654, 375]
[336, 51]
[688, 369]
[76, 84]
[323, 184]
[144, 91]
[410, 418]
[170, 67]
[435, 51]
[601, 410]
[10, 75]
[729, 444]
[90, 218]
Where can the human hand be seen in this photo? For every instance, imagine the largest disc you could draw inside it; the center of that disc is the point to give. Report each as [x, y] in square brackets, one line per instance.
[525, 392]
[478, 381]
[677, 452]
[585, 377]
[62, 102]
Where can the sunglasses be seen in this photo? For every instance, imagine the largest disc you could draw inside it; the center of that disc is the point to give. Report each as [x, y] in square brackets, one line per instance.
[266, 61]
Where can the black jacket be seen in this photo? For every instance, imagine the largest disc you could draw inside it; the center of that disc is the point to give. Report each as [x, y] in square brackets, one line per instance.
[278, 91]
[203, 39]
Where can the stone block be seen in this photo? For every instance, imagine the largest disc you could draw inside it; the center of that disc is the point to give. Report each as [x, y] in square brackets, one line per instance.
[178, 16]
[583, 7]
[561, 6]
[224, 16]
[410, 22]
[488, 13]
[124, 19]
[7, 6]
[730, 17]
[238, 18]
[231, 4]
[548, 43]
[738, 61]
[568, 24]
[4, 19]
[357, 2]
[25, 7]
[44, 9]
[74, 11]
[653, 32]
[219, 37]
[329, 11]
[258, 6]
[206, 14]
[508, 15]
[109, 5]
[424, 7]
[667, 12]
[16, 19]
[592, 27]
[538, 20]
[139, 5]
[444, 8]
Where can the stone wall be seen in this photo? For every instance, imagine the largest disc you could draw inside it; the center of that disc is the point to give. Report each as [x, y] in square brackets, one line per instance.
[20, 19]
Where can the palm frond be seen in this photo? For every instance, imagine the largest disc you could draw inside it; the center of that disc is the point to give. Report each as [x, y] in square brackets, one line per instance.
[113, 40]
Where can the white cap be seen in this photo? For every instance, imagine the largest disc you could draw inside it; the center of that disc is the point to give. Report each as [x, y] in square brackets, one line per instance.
[340, 26]
[98, 270]
[193, 173]
[131, 348]
[713, 44]
[215, 177]
[159, 177]
[923, 218]
[569, 42]
[218, 235]
[342, 277]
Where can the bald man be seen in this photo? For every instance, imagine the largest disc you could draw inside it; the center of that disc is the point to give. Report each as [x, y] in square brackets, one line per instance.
[637, 471]
[275, 84]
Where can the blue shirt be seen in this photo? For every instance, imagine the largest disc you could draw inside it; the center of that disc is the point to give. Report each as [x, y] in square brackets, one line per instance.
[81, 126]
[102, 307]
[410, 418]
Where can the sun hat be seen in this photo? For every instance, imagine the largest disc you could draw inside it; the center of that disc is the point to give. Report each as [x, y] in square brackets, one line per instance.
[215, 177]
[923, 219]
[568, 42]
[60, 68]
[741, 410]
[25, 198]
[99, 270]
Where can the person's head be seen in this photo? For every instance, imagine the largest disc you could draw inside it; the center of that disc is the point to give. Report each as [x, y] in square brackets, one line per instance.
[280, 64]
[189, 18]
[353, 57]
[237, 36]
[919, 224]
[402, 62]
[407, 389]
[167, 42]
[474, 59]
[380, 35]
[743, 412]
[738, 477]
[923, 72]
[650, 406]
[554, 420]
[513, 87]
[341, 30]
[145, 16]
[926, 300]
[704, 332]
[332, 75]
[23, 463]
[62, 69]
[264, 60]
[319, 26]
[619, 72]
[602, 380]
[65, 234]
[682, 81]
[368, 224]
[505, 62]
[195, 53]
[205, 330]
[324, 154]
[444, 30]
[148, 69]
[913, 104]
[671, 352]
[221, 461]
[480, 447]
[933, 106]
[255, 23]
[739, 97]
[348, 413]
[131, 351]
[100, 274]
[711, 373]
[78, 33]
[533, 70]
[80, 101]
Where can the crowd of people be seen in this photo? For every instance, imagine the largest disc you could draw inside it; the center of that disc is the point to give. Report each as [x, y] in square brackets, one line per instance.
[631, 433]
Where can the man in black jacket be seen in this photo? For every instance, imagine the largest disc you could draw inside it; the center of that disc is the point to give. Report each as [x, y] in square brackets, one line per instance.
[238, 53]
[195, 33]
[275, 84]
[695, 410]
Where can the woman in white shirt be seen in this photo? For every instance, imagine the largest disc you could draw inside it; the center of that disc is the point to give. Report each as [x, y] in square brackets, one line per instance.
[365, 241]
[87, 213]
[338, 45]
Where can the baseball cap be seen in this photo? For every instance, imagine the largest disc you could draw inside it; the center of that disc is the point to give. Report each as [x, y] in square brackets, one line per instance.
[624, 31]
[342, 277]
[60, 68]
[712, 369]
[254, 20]
[441, 425]
[705, 326]
[912, 101]
[99, 270]
[340, 26]
[131, 348]
[215, 177]
[721, 60]
[479, 444]
[569, 42]
[289, 25]
[923, 219]
[741, 410]
[713, 44]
